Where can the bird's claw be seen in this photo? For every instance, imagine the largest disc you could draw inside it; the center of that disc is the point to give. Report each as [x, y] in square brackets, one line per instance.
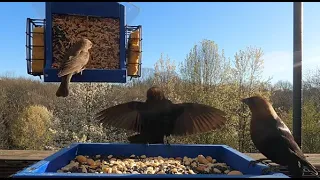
[167, 142]
[266, 171]
[82, 70]
[254, 162]
[269, 170]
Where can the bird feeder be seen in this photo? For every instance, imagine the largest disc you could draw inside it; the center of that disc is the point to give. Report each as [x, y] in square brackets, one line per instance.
[51, 166]
[116, 50]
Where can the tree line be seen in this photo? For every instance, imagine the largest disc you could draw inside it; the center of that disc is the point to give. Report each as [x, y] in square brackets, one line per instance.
[33, 118]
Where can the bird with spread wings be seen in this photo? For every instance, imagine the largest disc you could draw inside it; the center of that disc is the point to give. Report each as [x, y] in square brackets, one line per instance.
[158, 117]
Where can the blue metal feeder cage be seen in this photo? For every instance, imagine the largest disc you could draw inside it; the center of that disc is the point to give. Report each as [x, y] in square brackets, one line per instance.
[222, 153]
[39, 42]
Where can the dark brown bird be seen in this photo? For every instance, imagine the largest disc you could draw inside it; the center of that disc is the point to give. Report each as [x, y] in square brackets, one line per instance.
[273, 138]
[74, 62]
[159, 117]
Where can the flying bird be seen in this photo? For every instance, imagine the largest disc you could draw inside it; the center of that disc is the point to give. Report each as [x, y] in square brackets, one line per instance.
[74, 62]
[273, 138]
[158, 117]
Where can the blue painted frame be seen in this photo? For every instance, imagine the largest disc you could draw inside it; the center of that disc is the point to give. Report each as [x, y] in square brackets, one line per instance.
[223, 153]
[102, 9]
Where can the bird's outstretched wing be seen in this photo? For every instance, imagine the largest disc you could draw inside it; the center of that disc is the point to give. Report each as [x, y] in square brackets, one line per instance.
[125, 116]
[193, 118]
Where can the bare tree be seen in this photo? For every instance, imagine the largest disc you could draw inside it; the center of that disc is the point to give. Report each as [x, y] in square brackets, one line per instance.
[247, 77]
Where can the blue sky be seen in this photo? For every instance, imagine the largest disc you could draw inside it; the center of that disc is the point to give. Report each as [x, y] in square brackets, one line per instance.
[173, 29]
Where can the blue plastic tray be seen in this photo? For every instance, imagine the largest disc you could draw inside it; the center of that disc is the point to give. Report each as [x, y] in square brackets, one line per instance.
[222, 153]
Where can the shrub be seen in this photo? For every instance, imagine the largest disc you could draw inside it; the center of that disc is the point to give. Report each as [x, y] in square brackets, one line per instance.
[31, 129]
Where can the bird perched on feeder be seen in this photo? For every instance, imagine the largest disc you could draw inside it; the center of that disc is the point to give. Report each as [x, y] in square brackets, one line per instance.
[273, 138]
[74, 62]
[158, 117]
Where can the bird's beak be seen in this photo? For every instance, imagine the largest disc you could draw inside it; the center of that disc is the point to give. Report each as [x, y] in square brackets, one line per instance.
[245, 100]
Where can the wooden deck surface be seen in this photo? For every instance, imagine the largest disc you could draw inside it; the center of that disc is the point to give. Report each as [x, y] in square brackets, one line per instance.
[24, 155]
[314, 159]
[12, 161]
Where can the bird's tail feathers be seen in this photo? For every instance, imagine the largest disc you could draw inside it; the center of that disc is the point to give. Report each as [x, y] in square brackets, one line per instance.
[313, 169]
[63, 90]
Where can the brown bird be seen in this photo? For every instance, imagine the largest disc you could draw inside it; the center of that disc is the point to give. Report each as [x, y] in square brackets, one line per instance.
[158, 117]
[74, 62]
[273, 138]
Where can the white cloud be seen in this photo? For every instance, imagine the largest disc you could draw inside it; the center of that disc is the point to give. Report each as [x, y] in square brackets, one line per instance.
[279, 64]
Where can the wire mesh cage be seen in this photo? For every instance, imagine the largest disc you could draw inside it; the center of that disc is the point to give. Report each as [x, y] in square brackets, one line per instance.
[35, 40]
[134, 50]
[104, 27]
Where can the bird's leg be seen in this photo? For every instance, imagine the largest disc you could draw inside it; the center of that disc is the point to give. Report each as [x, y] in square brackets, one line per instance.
[166, 140]
[82, 70]
[265, 171]
[254, 162]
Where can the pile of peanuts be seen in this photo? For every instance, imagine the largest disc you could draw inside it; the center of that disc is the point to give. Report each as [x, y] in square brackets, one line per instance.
[147, 165]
